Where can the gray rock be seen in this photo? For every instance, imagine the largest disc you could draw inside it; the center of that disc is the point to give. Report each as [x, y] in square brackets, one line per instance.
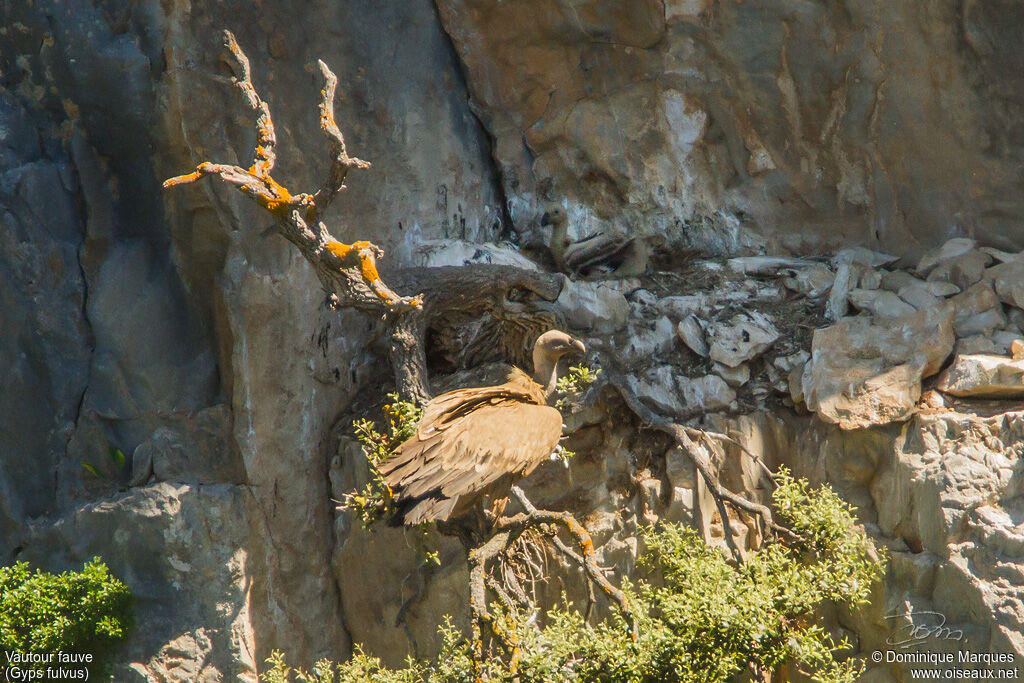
[981, 376]
[863, 257]
[680, 307]
[142, 465]
[626, 285]
[950, 250]
[942, 289]
[894, 280]
[1008, 282]
[812, 281]
[962, 271]
[167, 541]
[679, 468]
[709, 392]
[1003, 256]
[787, 374]
[657, 388]
[838, 297]
[863, 373]
[763, 265]
[691, 332]
[1007, 338]
[452, 252]
[1015, 318]
[870, 279]
[976, 311]
[919, 296]
[734, 377]
[647, 338]
[643, 297]
[979, 344]
[590, 306]
[880, 302]
[194, 448]
[742, 338]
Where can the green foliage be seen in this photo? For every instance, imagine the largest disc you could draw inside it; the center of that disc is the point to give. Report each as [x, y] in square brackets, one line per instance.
[115, 467]
[574, 384]
[705, 621]
[401, 419]
[74, 612]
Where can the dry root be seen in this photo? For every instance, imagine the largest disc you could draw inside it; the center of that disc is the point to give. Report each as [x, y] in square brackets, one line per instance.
[508, 532]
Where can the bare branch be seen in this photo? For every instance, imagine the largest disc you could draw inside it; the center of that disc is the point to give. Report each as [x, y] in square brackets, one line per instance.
[687, 439]
[532, 517]
[341, 162]
[348, 272]
[264, 156]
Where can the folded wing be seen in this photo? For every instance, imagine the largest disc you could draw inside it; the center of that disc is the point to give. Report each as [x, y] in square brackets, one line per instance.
[471, 443]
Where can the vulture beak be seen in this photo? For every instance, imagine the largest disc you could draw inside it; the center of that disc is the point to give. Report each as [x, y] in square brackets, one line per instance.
[577, 347]
[545, 219]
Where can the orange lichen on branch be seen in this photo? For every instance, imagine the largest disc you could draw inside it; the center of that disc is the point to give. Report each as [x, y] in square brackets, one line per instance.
[266, 140]
[183, 179]
[368, 253]
[348, 282]
[265, 191]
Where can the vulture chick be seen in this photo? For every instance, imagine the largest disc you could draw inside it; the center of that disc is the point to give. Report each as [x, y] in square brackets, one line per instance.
[477, 442]
[599, 254]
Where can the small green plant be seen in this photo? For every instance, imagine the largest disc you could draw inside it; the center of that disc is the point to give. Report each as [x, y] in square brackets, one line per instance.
[115, 468]
[86, 612]
[401, 420]
[371, 503]
[574, 384]
[706, 620]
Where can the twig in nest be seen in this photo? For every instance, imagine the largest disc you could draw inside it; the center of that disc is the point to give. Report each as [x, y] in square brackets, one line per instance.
[507, 531]
[532, 517]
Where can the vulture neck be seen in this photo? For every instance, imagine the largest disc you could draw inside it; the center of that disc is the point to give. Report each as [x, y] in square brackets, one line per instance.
[545, 371]
[559, 229]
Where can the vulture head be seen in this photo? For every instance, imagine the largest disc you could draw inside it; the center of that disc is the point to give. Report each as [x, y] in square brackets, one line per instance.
[555, 216]
[547, 351]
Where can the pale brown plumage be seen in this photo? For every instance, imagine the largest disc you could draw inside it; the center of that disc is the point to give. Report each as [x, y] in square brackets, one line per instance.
[477, 442]
[596, 255]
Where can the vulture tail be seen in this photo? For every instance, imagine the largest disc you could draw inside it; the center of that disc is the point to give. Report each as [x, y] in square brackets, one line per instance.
[415, 511]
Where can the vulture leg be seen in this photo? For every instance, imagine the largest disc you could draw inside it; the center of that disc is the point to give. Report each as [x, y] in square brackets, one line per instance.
[497, 509]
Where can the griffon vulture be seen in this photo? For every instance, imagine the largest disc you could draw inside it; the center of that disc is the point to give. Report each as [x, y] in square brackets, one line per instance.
[599, 254]
[477, 442]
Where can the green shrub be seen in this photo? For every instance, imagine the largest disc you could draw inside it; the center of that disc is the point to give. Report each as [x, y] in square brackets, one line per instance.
[402, 419]
[574, 384]
[705, 621]
[86, 612]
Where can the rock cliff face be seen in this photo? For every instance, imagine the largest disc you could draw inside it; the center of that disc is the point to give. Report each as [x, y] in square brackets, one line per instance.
[165, 325]
[728, 123]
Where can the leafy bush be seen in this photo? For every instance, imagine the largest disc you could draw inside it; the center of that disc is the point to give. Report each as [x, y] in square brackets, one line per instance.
[705, 621]
[401, 420]
[85, 612]
[574, 384]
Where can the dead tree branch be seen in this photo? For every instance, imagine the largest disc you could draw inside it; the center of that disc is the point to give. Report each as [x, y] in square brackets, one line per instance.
[689, 439]
[584, 542]
[506, 531]
[347, 272]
